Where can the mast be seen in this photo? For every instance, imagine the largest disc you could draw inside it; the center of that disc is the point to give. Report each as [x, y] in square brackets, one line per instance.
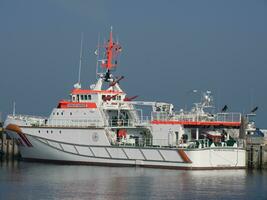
[109, 62]
[112, 50]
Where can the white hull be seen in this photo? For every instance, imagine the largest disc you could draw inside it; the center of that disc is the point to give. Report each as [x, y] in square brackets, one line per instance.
[206, 158]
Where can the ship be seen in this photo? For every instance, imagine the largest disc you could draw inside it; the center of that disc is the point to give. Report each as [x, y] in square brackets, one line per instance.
[101, 125]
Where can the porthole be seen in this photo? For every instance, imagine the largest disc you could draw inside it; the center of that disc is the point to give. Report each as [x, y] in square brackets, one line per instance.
[60, 131]
[39, 131]
[47, 131]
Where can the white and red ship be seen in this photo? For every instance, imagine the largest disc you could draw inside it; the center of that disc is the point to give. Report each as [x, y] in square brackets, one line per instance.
[105, 127]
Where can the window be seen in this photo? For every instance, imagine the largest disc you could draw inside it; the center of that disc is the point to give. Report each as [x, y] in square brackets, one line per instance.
[103, 97]
[47, 131]
[61, 113]
[85, 97]
[78, 97]
[57, 113]
[39, 131]
[60, 131]
[73, 98]
[119, 97]
[70, 113]
[89, 97]
[51, 131]
[82, 97]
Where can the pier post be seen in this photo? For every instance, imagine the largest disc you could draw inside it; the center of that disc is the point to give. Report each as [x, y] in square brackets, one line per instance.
[8, 147]
[264, 157]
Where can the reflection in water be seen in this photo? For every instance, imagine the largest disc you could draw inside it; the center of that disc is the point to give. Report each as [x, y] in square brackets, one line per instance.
[23, 180]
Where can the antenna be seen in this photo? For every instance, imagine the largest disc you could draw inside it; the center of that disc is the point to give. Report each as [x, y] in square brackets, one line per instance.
[97, 54]
[78, 85]
[14, 108]
[80, 63]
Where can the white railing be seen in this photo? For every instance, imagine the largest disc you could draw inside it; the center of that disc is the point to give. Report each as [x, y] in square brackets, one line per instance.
[228, 117]
[30, 119]
[192, 117]
[74, 123]
[143, 121]
[194, 144]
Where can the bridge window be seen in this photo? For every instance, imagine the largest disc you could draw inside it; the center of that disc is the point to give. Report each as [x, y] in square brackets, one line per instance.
[89, 97]
[85, 97]
[82, 97]
[119, 97]
[103, 97]
[73, 98]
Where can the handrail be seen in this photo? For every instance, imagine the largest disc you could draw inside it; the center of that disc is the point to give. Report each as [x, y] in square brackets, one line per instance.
[194, 144]
[194, 117]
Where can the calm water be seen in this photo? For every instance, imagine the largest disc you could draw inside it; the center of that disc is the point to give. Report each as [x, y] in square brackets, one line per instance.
[23, 180]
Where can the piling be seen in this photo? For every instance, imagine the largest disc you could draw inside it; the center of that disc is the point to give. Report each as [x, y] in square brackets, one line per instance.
[8, 146]
[256, 153]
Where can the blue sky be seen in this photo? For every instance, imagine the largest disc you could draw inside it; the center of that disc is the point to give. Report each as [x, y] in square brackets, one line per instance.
[170, 47]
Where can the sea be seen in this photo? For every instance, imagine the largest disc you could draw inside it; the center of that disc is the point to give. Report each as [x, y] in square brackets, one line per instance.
[27, 180]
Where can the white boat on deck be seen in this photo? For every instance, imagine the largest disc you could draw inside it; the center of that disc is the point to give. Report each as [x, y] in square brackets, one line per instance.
[105, 127]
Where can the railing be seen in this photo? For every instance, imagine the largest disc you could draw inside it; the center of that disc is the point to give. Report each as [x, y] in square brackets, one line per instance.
[74, 123]
[141, 121]
[194, 144]
[30, 119]
[194, 117]
[228, 117]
